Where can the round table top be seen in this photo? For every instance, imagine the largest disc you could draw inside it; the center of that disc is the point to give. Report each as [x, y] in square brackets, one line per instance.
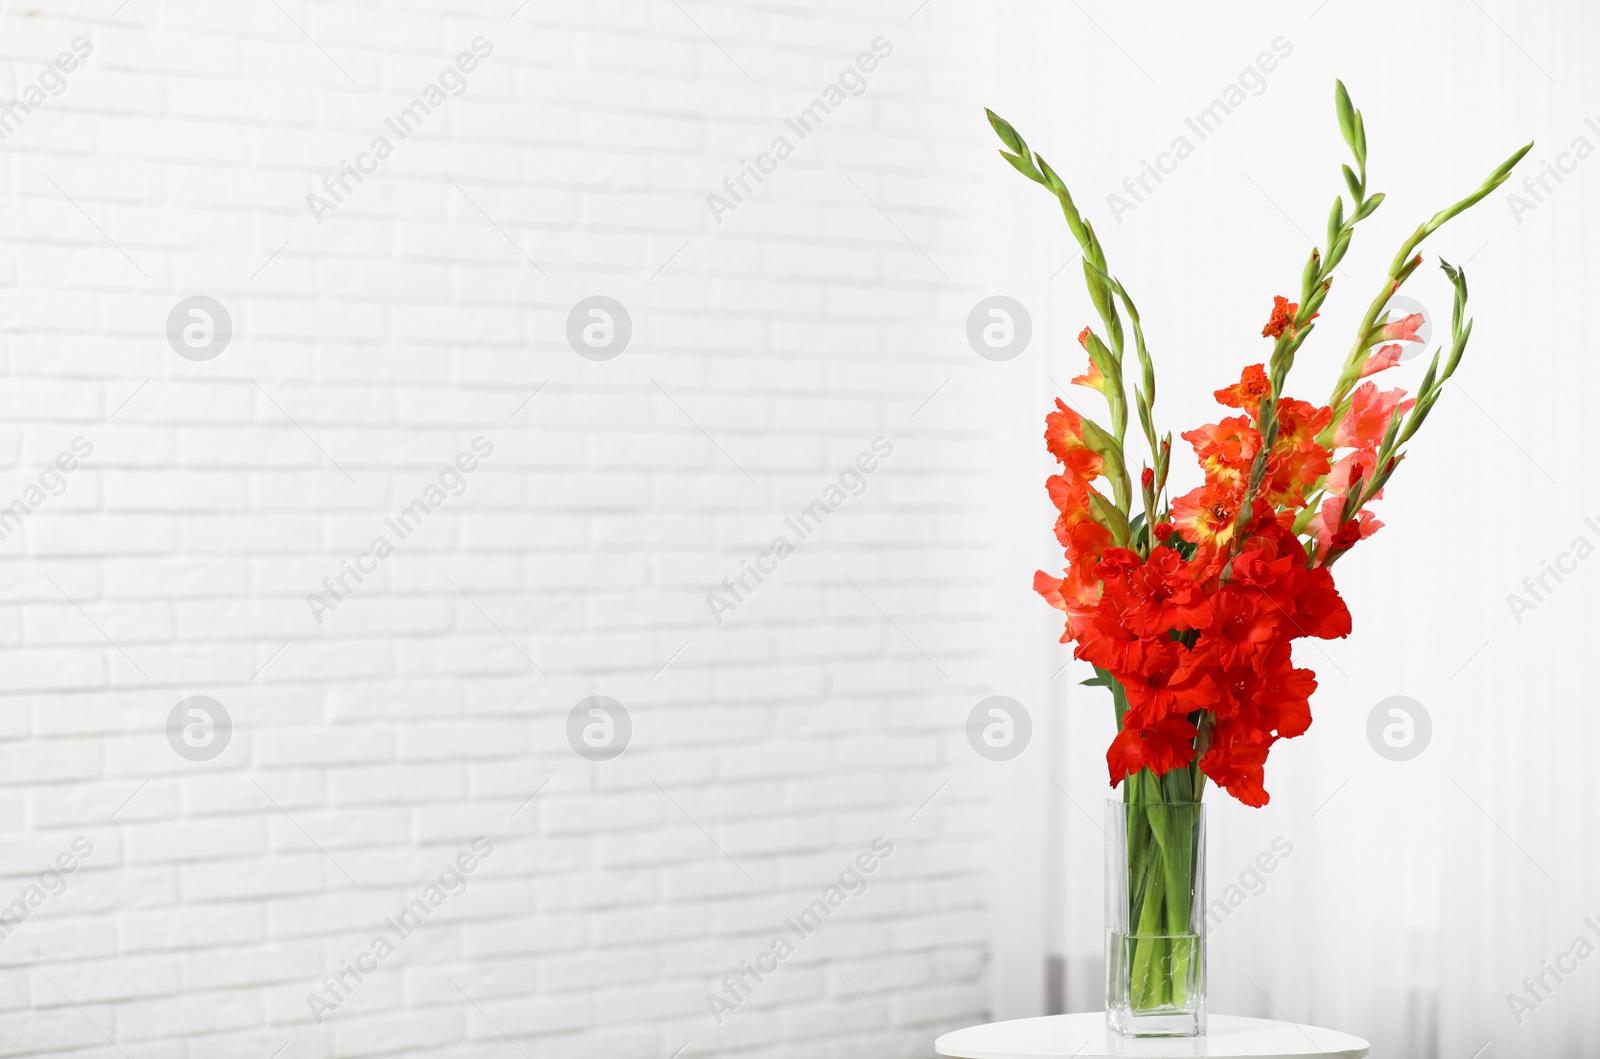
[1085, 1036]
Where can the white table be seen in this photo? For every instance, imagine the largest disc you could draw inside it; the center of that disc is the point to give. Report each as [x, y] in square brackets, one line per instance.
[1084, 1036]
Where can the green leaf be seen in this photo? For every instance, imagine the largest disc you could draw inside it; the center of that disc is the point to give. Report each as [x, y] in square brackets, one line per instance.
[1051, 181]
[1499, 175]
[1108, 515]
[1308, 275]
[1023, 166]
[1430, 375]
[1492, 181]
[1352, 183]
[1102, 357]
[1343, 243]
[1347, 114]
[1369, 206]
[1007, 134]
[1100, 296]
[1458, 279]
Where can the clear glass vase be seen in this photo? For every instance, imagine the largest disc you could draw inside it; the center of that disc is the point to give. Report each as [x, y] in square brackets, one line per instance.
[1155, 919]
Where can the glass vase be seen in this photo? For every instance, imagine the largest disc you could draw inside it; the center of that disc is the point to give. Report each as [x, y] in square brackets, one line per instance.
[1155, 918]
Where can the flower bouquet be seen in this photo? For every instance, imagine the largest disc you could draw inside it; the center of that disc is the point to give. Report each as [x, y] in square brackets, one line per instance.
[1187, 606]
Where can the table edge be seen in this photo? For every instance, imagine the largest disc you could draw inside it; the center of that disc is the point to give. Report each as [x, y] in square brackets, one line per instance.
[1359, 1047]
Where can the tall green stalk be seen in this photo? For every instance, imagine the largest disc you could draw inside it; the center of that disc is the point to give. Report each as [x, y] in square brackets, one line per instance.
[1163, 941]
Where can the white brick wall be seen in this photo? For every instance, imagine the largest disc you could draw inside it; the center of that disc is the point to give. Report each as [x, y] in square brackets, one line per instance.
[367, 351]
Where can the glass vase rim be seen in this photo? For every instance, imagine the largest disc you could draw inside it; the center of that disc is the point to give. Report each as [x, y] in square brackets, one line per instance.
[1119, 801]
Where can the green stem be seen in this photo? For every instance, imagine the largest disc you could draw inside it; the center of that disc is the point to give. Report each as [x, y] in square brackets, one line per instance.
[1162, 852]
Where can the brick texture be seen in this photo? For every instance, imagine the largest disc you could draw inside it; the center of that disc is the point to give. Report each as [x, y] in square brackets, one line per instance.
[425, 705]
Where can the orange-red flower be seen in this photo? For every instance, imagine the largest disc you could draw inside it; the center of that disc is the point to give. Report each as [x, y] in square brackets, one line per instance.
[1226, 449]
[1205, 516]
[1203, 643]
[1187, 591]
[1063, 436]
[1282, 318]
[1094, 379]
[1247, 393]
[1297, 460]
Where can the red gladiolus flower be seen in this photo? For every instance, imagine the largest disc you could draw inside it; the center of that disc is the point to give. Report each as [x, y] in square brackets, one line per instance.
[1282, 318]
[1188, 603]
[1094, 379]
[1348, 536]
[1205, 516]
[1328, 531]
[1315, 608]
[1165, 593]
[1258, 568]
[1050, 588]
[1161, 747]
[1075, 528]
[1063, 435]
[1211, 634]
[1226, 449]
[1244, 626]
[1282, 695]
[1297, 460]
[1236, 762]
[1247, 393]
[1173, 682]
[1352, 467]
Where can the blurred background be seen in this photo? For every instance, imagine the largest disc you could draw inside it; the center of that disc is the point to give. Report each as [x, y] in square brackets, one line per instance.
[404, 404]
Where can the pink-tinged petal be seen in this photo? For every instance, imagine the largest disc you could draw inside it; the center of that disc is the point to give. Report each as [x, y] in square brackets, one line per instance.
[1383, 359]
[1368, 417]
[1325, 523]
[1402, 330]
[1352, 465]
